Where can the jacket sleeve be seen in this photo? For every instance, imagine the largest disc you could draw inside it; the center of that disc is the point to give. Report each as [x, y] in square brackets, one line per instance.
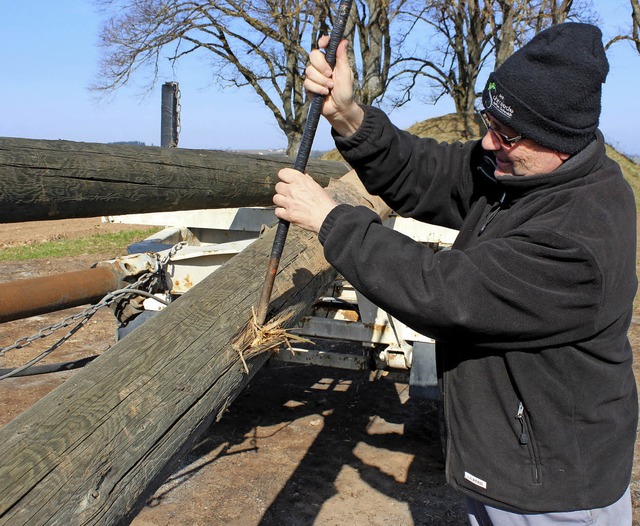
[417, 177]
[480, 294]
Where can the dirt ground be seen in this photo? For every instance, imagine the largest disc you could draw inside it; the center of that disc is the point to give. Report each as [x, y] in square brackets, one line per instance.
[300, 446]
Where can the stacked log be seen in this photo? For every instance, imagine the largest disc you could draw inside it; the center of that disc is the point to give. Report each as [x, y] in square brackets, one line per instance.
[42, 180]
[95, 449]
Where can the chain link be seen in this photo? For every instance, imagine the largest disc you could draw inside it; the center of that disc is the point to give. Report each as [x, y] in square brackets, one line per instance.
[81, 318]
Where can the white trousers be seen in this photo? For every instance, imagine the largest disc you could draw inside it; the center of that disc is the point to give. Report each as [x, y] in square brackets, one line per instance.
[617, 514]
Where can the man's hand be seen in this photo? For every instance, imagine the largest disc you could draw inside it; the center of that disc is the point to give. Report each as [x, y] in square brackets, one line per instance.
[301, 201]
[339, 107]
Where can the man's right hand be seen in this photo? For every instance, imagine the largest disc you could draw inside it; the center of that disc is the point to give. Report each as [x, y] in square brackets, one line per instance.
[339, 107]
[301, 201]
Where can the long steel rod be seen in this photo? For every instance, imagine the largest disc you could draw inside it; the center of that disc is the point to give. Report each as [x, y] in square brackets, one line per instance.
[300, 163]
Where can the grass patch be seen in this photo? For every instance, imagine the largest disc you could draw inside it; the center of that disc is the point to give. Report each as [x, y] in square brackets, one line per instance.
[630, 169]
[110, 243]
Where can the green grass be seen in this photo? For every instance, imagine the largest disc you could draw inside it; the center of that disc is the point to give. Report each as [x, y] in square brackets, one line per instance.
[112, 243]
[630, 169]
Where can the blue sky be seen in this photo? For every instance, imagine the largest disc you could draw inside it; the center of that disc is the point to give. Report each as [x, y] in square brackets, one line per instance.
[49, 58]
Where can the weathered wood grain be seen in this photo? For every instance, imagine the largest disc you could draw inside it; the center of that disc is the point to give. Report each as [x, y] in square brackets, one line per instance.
[42, 180]
[93, 450]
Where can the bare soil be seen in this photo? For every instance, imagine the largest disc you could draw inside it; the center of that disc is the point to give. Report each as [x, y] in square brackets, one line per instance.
[300, 446]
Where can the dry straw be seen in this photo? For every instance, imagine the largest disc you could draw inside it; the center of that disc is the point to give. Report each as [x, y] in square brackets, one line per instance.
[256, 339]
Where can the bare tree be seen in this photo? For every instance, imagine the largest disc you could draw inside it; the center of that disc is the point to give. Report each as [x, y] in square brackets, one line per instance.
[509, 21]
[472, 35]
[460, 31]
[634, 35]
[635, 17]
[369, 27]
[261, 44]
[517, 20]
[551, 12]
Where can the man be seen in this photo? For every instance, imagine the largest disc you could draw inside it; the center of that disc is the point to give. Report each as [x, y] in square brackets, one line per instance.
[531, 306]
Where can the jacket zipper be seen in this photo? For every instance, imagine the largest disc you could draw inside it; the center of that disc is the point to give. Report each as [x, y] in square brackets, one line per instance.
[445, 414]
[524, 436]
[493, 212]
[525, 440]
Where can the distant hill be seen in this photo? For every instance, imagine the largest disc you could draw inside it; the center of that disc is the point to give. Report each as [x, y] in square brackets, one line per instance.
[630, 169]
[128, 143]
[448, 128]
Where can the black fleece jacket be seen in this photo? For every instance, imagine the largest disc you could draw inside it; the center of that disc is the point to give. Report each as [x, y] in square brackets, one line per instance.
[530, 309]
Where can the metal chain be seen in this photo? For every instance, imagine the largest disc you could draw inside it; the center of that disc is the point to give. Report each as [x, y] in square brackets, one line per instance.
[86, 313]
[81, 318]
[174, 249]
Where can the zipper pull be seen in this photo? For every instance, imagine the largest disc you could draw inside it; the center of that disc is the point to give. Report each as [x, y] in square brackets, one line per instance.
[524, 437]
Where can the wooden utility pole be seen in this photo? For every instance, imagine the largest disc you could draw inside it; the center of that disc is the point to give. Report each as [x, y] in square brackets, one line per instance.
[42, 180]
[95, 449]
[169, 115]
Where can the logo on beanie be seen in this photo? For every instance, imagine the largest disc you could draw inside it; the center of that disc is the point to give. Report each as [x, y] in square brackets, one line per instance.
[496, 100]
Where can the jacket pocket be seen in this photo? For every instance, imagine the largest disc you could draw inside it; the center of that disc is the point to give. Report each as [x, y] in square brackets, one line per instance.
[526, 439]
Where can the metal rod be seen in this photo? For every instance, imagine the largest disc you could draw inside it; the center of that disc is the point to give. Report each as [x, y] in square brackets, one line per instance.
[300, 163]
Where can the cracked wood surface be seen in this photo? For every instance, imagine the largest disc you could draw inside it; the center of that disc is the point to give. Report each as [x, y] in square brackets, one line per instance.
[42, 179]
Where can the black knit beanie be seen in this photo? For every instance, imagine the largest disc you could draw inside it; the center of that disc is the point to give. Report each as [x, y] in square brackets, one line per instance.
[550, 89]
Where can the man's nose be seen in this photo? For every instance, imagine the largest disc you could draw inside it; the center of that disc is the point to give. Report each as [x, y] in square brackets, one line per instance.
[490, 142]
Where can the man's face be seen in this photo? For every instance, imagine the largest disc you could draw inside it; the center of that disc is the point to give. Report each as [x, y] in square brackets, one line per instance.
[524, 157]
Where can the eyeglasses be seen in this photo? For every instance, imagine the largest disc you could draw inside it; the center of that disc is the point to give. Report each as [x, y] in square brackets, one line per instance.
[508, 141]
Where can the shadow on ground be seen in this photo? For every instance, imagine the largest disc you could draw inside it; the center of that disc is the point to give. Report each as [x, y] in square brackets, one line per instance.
[306, 445]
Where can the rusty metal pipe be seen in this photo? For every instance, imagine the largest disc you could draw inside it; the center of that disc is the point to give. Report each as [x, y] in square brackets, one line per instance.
[29, 297]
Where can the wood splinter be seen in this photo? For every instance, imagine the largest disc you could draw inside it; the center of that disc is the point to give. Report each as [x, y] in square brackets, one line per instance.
[257, 338]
